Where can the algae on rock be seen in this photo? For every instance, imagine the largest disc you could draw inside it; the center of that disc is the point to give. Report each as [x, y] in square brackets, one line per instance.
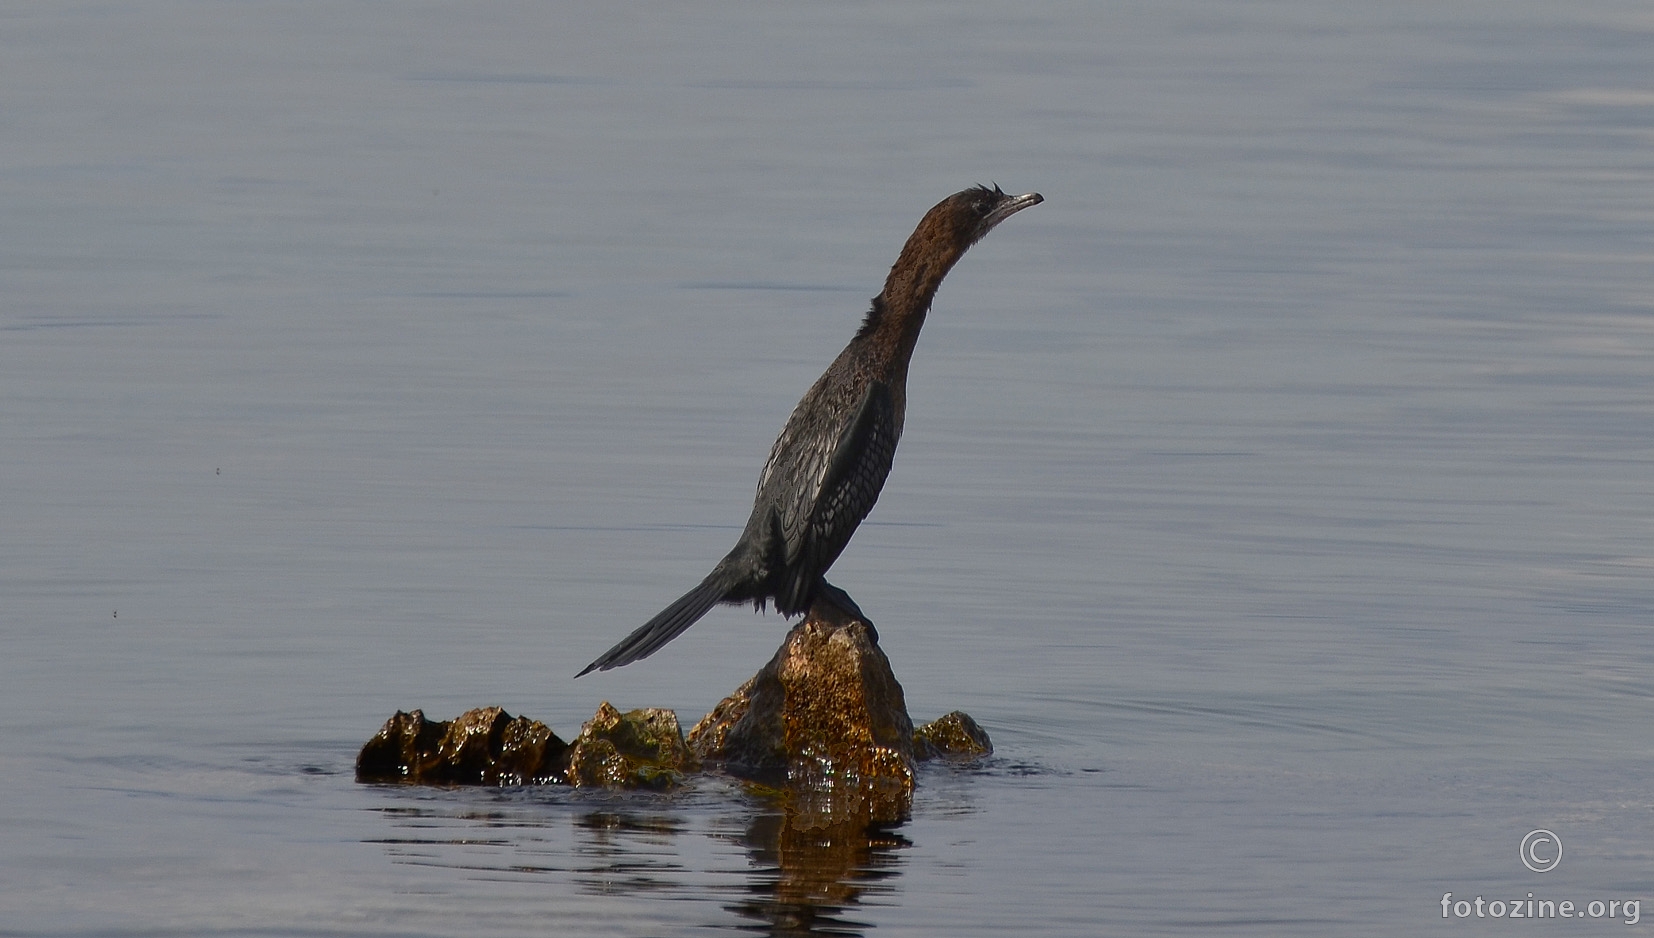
[635, 749]
[953, 736]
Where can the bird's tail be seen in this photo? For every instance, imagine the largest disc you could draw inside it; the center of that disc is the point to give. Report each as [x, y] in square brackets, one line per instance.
[668, 624]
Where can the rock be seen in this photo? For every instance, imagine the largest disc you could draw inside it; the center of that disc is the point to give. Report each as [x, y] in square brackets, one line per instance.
[635, 749]
[825, 721]
[486, 746]
[824, 726]
[955, 736]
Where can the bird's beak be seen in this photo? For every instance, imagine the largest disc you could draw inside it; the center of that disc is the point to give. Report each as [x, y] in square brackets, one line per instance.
[1009, 207]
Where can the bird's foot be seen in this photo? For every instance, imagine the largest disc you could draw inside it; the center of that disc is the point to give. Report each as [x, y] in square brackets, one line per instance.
[842, 600]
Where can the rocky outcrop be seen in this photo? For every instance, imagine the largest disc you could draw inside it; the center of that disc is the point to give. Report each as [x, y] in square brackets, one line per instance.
[482, 747]
[824, 724]
[825, 720]
[636, 749]
[955, 736]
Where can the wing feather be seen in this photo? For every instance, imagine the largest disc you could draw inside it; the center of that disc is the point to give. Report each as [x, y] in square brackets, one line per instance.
[822, 478]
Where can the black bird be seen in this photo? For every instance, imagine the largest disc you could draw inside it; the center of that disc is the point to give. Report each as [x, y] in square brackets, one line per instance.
[826, 470]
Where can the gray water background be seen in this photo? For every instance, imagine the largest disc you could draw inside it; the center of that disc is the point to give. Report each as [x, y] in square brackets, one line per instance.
[1279, 494]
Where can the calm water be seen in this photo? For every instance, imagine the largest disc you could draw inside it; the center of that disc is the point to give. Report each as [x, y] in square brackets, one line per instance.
[1279, 494]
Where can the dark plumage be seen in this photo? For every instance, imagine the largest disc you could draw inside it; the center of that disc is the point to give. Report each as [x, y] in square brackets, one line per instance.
[826, 469]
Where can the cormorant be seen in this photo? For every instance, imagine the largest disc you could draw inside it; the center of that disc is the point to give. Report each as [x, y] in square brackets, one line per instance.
[825, 471]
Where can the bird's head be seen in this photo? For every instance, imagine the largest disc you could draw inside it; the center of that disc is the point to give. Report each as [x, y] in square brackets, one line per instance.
[962, 219]
[943, 236]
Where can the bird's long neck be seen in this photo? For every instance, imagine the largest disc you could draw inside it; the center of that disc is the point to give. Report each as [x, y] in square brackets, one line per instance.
[892, 326]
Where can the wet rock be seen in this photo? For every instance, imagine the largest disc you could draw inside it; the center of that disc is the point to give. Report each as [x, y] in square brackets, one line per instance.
[635, 749]
[486, 746]
[824, 727]
[955, 736]
[825, 721]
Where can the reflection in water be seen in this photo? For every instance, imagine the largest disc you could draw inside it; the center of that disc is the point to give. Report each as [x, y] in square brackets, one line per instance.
[783, 870]
[806, 873]
[628, 852]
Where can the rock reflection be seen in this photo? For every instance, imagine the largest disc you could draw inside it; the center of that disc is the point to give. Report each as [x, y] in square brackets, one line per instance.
[629, 853]
[809, 873]
[752, 864]
[805, 870]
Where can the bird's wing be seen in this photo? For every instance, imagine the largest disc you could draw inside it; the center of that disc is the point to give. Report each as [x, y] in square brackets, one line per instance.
[821, 481]
[850, 481]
